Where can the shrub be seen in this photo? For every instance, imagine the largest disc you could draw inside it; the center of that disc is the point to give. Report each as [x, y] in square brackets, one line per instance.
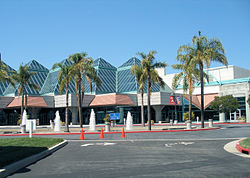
[185, 116]
[241, 118]
[107, 118]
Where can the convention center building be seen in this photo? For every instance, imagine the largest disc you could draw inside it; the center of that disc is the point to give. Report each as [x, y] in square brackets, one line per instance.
[119, 94]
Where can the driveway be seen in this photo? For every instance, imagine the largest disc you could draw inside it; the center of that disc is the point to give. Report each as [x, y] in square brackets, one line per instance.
[182, 154]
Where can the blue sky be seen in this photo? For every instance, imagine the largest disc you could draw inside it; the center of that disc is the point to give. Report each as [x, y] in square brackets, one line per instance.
[50, 30]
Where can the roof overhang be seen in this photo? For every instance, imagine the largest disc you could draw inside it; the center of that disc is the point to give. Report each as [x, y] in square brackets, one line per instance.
[112, 100]
[196, 99]
[32, 101]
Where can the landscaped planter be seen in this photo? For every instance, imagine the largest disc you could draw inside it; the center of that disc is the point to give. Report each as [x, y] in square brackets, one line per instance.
[241, 149]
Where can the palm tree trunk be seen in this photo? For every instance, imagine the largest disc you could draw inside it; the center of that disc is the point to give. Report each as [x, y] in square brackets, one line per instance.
[149, 113]
[79, 105]
[25, 99]
[67, 109]
[22, 106]
[190, 107]
[175, 109]
[142, 110]
[202, 94]
[80, 102]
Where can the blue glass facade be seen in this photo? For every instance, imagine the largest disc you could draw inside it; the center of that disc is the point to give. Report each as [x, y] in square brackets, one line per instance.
[4, 85]
[114, 80]
[41, 73]
[51, 85]
[126, 82]
[107, 74]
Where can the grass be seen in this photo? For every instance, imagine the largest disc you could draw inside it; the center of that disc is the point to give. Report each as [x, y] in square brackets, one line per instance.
[15, 149]
[245, 143]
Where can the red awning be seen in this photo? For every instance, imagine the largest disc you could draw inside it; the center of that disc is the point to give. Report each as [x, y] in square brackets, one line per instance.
[32, 101]
[196, 99]
[111, 99]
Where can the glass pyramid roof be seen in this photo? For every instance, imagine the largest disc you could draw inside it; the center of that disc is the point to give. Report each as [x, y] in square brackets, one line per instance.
[38, 79]
[132, 61]
[100, 62]
[51, 83]
[4, 85]
[107, 73]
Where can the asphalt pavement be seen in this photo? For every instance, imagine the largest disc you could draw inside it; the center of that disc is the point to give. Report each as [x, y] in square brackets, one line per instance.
[164, 154]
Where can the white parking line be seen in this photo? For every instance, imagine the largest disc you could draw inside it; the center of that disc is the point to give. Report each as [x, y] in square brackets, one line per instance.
[169, 145]
[150, 140]
[98, 144]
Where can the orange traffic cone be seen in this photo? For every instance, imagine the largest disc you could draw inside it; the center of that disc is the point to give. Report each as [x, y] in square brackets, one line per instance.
[82, 136]
[102, 135]
[123, 133]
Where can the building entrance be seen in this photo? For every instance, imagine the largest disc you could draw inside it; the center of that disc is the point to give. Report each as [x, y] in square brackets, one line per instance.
[171, 115]
[235, 115]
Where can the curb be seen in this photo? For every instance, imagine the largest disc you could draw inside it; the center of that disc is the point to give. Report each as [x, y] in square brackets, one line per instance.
[7, 170]
[147, 131]
[241, 149]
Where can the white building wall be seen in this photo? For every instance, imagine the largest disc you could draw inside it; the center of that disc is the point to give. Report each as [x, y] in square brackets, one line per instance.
[216, 74]
[237, 90]
[241, 72]
[207, 90]
[60, 101]
[221, 73]
[155, 99]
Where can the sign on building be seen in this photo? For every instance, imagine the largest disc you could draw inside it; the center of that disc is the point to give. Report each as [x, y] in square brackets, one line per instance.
[178, 100]
[171, 100]
[114, 116]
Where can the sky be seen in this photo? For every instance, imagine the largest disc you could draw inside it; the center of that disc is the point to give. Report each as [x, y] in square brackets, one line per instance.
[51, 30]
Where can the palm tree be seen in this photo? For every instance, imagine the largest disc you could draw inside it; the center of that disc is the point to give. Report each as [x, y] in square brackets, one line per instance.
[83, 68]
[141, 80]
[64, 78]
[151, 75]
[174, 87]
[204, 51]
[23, 77]
[4, 73]
[189, 75]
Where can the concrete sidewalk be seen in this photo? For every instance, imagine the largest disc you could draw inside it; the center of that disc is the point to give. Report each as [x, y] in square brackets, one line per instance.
[76, 129]
[46, 129]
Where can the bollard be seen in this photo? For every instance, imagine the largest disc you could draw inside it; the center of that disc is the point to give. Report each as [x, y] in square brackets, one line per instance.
[189, 125]
[210, 123]
[171, 122]
[30, 129]
[107, 127]
[23, 129]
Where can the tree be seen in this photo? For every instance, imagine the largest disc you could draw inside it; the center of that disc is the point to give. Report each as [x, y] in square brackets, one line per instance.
[151, 75]
[5, 73]
[225, 104]
[189, 75]
[83, 68]
[23, 76]
[64, 78]
[204, 51]
[137, 71]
